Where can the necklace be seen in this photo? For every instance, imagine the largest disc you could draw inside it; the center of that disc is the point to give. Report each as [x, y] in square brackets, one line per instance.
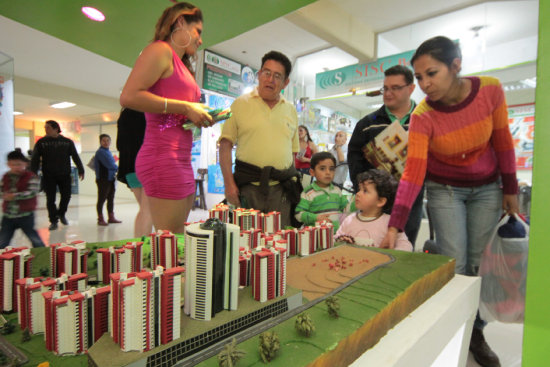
[367, 219]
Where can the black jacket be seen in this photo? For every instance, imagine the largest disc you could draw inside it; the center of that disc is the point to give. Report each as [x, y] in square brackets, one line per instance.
[56, 156]
[365, 130]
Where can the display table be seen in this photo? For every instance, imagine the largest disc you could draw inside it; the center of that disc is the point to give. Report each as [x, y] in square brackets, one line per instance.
[435, 334]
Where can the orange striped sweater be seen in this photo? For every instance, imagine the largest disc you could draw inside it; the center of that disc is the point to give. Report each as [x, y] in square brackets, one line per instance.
[468, 144]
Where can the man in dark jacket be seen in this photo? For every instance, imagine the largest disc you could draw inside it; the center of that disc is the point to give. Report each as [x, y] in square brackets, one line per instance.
[398, 105]
[55, 151]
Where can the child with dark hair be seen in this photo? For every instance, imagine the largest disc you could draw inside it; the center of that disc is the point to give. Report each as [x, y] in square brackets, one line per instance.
[19, 190]
[321, 200]
[374, 200]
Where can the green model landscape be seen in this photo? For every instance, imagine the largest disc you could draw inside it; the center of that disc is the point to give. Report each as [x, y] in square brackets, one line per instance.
[359, 303]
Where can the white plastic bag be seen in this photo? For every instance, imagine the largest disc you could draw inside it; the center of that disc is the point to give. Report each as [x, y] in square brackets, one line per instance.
[503, 271]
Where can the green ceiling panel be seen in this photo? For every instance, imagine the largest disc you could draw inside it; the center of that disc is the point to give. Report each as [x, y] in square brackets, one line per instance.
[129, 24]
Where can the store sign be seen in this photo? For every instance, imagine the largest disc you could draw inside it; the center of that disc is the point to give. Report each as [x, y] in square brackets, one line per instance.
[226, 76]
[332, 82]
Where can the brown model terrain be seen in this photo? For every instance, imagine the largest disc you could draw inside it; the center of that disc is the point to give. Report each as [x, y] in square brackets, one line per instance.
[321, 273]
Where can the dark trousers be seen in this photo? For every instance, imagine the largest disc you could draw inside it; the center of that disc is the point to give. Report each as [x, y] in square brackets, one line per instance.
[415, 218]
[50, 185]
[105, 191]
[276, 200]
[26, 223]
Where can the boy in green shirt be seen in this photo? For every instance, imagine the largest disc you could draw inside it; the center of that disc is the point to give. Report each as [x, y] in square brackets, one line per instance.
[321, 200]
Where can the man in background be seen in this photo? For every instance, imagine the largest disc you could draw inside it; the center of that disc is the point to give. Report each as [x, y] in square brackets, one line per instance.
[53, 152]
[398, 105]
[264, 127]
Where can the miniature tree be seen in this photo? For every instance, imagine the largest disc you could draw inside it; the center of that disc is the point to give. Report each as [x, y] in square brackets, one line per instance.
[26, 335]
[8, 328]
[269, 345]
[304, 324]
[3, 358]
[44, 271]
[333, 306]
[230, 355]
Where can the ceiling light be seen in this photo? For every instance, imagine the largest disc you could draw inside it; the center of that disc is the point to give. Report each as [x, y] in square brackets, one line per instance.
[15, 113]
[93, 13]
[62, 104]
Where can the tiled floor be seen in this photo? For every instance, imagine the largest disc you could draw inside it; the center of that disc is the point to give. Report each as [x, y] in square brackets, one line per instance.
[505, 339]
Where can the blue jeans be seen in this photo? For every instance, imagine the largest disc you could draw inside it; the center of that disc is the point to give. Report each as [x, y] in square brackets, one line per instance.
[464, 219]
[26, 223]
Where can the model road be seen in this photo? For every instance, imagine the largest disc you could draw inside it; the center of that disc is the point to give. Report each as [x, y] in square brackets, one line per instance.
[12, 352]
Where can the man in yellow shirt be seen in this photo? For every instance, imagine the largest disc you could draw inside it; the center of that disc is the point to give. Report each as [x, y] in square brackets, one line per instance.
[264, 127]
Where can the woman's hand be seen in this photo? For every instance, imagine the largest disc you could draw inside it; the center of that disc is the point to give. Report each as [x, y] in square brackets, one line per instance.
[390, 238]
[510, 204]
[196, 113]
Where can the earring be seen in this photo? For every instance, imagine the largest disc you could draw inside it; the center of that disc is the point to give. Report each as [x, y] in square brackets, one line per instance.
[174, 42]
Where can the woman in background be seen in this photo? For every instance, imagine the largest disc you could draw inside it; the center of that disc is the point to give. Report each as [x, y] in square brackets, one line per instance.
[459, 140]
[307, 149]
[162, 84]
[130, 133]
[340, 152]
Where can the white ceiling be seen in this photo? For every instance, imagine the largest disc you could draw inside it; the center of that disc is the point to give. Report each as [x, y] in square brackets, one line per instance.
[48, 69]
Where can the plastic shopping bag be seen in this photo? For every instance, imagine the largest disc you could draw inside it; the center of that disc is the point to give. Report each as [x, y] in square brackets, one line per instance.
[503, 271]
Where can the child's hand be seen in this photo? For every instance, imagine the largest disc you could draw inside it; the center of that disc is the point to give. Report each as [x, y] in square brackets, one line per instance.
[322, 217]
[345, 238]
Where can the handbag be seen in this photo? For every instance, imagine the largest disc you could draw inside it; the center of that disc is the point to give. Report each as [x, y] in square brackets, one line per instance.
[91, 163]
[503, 271]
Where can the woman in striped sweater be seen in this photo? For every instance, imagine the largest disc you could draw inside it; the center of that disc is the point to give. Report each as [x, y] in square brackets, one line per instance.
[460, 143]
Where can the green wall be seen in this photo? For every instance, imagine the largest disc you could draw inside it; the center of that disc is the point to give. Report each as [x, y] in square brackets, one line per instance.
[536, 337]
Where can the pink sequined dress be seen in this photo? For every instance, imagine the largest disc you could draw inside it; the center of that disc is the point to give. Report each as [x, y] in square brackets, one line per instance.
[163, 164]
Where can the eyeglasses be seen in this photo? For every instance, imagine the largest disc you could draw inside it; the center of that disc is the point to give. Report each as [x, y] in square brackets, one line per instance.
[266, 73]
[393, 88]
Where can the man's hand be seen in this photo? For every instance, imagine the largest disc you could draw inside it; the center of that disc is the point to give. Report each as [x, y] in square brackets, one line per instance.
[390, 238]
[232, 194]
[8, 196]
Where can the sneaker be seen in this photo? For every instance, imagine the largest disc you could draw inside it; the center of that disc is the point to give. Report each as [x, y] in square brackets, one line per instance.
[63, 220]
[52, 227]
[481, 351]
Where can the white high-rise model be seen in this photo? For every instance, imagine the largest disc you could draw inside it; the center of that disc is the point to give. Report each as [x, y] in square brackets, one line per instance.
[212, 268]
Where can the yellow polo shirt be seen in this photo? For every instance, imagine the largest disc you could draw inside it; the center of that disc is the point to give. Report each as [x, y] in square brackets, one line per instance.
[264, 136]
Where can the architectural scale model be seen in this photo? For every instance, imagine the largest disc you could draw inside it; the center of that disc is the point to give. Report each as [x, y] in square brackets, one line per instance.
[125, 259]
[74, 321]
[212, 268]
[164, 249]
[145, 308]
[69, 258]
[15, 264]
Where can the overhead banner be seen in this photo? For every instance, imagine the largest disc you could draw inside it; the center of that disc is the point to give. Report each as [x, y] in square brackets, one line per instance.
[226, 76]
[333, 82]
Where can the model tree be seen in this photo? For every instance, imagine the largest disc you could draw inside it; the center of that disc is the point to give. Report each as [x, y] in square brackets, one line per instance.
[44, 271]
[8, 328]
[269, 345]
[230, 355]
[333, 306]
[3, 358]
[26, 335]
[304, 324]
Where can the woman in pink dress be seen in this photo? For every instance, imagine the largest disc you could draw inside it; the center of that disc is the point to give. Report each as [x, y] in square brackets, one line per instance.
[162, 84]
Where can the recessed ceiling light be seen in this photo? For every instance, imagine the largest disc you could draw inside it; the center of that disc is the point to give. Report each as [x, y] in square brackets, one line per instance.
[15, 113]
[62, 104]
[93, 13]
